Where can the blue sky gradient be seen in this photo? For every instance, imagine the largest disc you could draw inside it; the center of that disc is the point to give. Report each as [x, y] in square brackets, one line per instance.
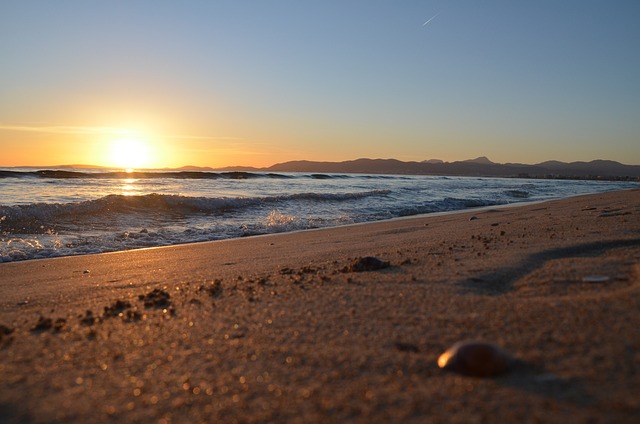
[259, 82]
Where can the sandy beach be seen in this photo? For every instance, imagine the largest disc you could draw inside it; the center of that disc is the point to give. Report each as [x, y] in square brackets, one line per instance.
[296, 327]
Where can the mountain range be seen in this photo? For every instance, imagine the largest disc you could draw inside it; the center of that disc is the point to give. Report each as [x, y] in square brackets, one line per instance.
[479, 167]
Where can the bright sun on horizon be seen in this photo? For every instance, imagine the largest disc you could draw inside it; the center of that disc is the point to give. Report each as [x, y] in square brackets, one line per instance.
[130, 153]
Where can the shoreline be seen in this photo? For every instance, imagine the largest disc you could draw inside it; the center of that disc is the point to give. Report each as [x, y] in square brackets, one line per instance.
[355, 224]
[282, 327]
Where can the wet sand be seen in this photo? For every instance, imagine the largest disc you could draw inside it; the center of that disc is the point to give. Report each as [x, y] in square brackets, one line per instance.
[296, 328]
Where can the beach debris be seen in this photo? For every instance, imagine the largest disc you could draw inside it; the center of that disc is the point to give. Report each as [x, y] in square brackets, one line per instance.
[407, 347]
[130, 315]
[214, 290]
[88, 318]
[286, 271]
[595, 279]
[608, 212]
[5, 331]
[473, 218]
[475, 359]
[117, 308]
[367, 263]
[45, 324]
[156, 299]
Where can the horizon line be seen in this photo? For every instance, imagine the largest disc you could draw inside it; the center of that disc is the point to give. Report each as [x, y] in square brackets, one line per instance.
[480, 159]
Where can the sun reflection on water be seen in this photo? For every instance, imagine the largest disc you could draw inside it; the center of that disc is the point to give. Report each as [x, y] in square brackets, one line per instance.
[129, 187]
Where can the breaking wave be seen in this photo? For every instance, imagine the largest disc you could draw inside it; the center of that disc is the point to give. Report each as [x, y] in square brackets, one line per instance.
[199, 175]
[58, 174]
[39, 218]
[60, 212]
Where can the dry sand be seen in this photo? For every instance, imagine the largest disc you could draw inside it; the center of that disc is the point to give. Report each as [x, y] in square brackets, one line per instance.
[280, 328]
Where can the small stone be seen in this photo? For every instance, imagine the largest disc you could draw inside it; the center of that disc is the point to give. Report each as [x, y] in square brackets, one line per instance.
[475, 359]
[88, 318]
[473, 218]
[5, 332]
[118, 307]
[407, 347]
[368, 263]
[214, 290]
[43, 324]
[59, 325]
[130, 316]
[156, 298]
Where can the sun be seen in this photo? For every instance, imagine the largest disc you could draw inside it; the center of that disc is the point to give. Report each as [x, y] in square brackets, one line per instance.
[129, 153]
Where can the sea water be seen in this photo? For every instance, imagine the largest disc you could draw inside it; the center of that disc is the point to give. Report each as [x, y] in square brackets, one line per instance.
[51, 213]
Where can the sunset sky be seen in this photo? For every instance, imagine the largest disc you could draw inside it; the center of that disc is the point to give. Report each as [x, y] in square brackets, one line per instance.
[162, 83]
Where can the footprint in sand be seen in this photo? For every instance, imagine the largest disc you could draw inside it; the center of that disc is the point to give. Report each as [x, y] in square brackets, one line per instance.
[611, 272]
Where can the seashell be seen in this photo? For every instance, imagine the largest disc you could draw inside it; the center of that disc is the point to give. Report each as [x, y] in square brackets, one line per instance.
[476, 359]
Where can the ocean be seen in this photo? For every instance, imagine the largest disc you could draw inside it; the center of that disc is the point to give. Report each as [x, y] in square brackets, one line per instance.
[55, 212]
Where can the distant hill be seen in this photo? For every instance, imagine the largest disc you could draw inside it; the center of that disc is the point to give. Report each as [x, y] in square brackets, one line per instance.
[192, 168]
[73, 166]
[480, 167]
[482, 159]
[596, 167]
[358, 166]
[237, 169]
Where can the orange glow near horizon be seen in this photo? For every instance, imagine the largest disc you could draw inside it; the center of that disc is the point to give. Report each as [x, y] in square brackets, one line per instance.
[149, 146]
[123, 148]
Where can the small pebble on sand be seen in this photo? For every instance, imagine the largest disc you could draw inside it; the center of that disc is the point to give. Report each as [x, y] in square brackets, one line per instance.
[368, 263]
[476, 359]
[5, 331]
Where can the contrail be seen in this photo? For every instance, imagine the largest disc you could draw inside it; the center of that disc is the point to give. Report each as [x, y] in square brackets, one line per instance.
[430, 19]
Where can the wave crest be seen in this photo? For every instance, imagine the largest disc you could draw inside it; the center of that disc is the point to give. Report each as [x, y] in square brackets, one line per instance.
[40, 218]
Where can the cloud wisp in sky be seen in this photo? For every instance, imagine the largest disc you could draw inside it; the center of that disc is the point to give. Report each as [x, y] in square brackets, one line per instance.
[58, 129]
[98, 130]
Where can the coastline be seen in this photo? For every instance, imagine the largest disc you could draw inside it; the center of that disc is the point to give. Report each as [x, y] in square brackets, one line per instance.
[279, 327]
[126, 215]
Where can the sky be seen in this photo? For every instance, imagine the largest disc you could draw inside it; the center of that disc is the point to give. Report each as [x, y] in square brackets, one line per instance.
[159, 83]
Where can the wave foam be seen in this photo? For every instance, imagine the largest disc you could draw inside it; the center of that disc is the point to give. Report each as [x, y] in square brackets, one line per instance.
[40, 218]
